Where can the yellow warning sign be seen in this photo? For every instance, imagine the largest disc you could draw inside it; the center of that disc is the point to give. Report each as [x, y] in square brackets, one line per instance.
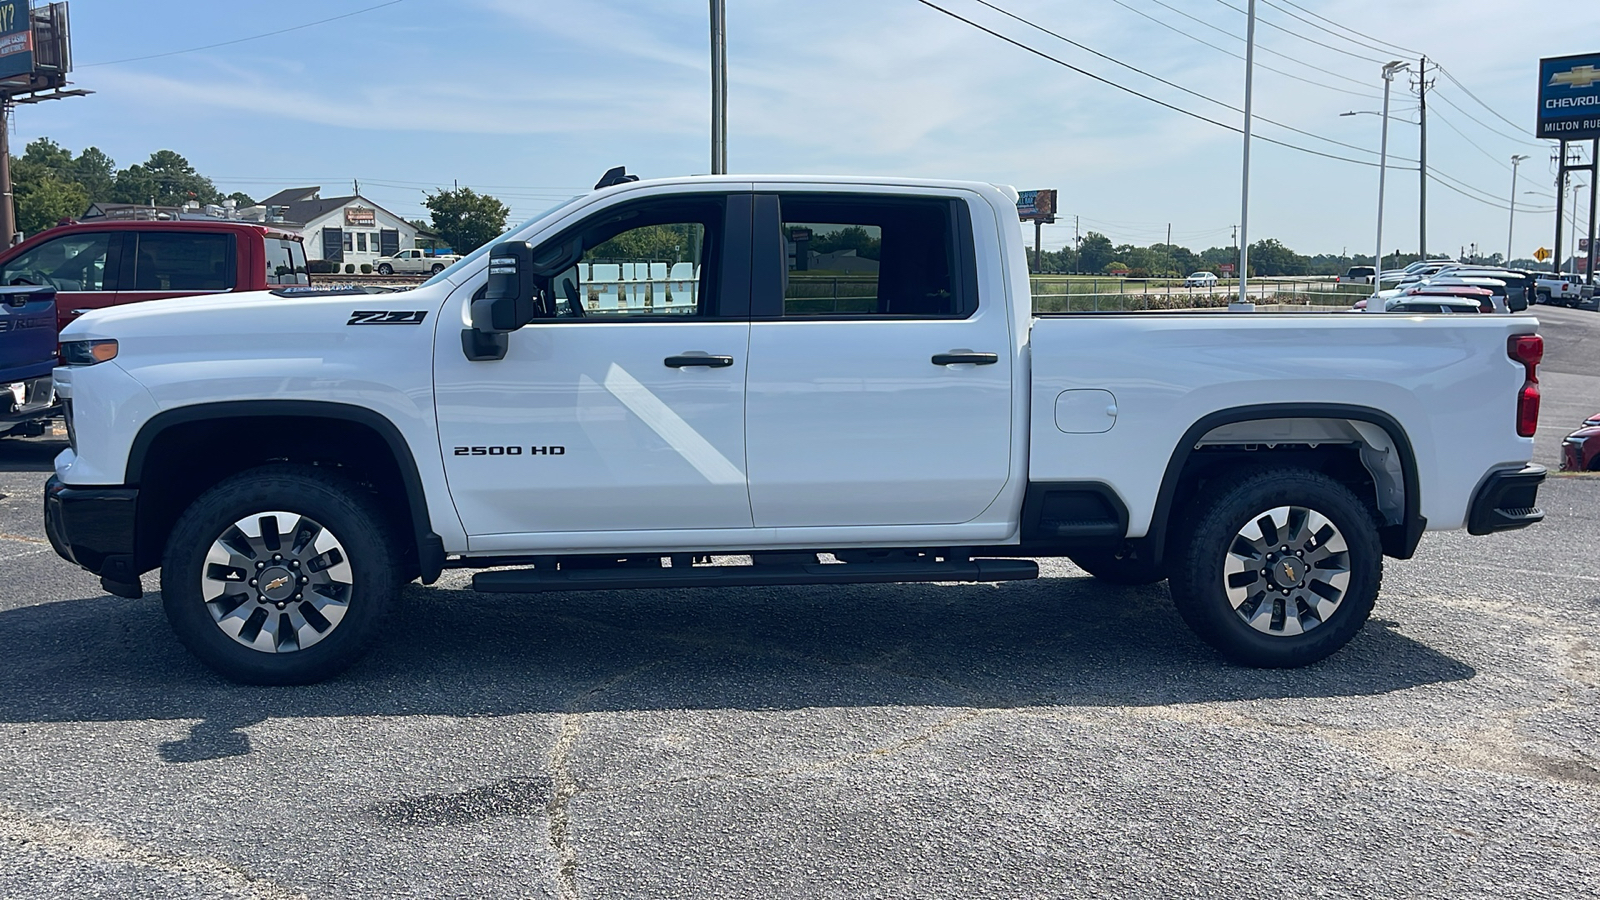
[1542, 254]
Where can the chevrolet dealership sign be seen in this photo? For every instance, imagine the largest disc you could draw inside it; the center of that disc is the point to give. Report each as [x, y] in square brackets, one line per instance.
[1569, 97]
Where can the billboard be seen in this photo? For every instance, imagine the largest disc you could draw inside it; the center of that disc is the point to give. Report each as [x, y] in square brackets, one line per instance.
[1037, 206]
[16, 39]
[360, 215]
[1569, 97]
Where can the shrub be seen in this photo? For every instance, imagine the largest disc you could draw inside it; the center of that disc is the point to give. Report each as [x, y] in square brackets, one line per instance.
[321, 266]
[349, 268]
[366, 268]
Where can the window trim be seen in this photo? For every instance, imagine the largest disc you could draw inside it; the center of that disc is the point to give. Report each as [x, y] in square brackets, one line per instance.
[770, 259]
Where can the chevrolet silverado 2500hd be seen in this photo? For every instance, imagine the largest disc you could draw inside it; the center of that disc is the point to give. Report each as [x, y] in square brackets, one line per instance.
[838, 380]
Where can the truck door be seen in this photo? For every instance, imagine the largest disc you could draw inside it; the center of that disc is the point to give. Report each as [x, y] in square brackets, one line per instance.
[880, 382]
[625, 412]
[81, 266]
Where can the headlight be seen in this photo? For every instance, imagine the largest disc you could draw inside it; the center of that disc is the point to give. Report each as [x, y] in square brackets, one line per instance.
[88, 353]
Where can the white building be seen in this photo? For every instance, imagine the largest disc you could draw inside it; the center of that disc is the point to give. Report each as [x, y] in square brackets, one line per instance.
[350, 230]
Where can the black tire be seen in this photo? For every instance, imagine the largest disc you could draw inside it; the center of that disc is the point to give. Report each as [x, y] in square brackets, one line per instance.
[1541, 297]
[1107, 566]
[344, 512]
[386, 269]
[437, 268]
[1214, 533]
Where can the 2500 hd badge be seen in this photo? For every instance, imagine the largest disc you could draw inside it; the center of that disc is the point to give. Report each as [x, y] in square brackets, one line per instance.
[510, 451]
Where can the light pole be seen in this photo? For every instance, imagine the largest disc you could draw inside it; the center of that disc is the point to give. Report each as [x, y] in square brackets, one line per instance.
[719, 89]
[1572, 242]
[1389, 70]
[1243, 304]
[1512, 224]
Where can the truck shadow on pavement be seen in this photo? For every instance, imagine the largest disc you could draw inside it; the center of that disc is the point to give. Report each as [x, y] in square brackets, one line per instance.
[1052, 642]
[30, 454]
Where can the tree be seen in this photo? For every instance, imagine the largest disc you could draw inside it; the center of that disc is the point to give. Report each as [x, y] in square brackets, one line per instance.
[241, 198]
[1268, 257]
[167, 178]
[42, 198]
[1094, 252]
[466, 219]
[97, 172]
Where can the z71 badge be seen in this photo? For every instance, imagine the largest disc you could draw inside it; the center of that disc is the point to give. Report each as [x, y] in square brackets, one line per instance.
[388, 317]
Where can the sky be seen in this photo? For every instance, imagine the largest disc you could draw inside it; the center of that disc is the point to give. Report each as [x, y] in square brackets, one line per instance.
[531, 101]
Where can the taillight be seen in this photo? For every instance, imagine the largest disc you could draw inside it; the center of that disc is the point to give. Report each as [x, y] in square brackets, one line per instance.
[1527, 349]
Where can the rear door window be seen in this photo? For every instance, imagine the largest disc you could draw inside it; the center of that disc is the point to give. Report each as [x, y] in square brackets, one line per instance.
[183, 261]
[286, 262]
[875, 256]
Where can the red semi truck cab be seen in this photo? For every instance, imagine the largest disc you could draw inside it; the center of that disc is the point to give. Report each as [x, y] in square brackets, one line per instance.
[104, 263]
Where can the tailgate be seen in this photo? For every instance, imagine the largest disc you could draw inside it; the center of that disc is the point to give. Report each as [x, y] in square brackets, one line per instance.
[27, 332]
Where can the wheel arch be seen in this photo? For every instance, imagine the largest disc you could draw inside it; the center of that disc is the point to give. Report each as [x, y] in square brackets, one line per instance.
[1399, 537]
[352, 430]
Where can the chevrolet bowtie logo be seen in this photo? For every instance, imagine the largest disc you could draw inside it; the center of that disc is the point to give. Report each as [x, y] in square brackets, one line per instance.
[278, 582]
[1576, 77]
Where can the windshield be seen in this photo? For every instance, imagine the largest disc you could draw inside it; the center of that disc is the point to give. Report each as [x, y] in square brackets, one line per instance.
[483, 251]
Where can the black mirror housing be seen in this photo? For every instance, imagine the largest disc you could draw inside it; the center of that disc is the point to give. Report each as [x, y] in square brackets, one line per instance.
[511, 299]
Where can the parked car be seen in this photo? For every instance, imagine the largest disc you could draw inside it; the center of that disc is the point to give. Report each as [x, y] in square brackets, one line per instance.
[414, 262]
[1580, 450]
[1424, 303]
[97, 264]
[1357, 275]
[27, 354]
[1201, 279]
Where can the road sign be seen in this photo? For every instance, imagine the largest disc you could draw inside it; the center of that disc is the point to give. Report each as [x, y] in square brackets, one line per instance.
[1542, 254]
[1569, 97]
[1226, 268]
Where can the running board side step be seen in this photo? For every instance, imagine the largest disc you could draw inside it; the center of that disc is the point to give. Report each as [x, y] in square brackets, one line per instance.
[531, 581]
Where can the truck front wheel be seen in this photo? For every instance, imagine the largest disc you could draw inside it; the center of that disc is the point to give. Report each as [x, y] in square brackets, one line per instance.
[1277, 569]
[385, 269]
[279, 575]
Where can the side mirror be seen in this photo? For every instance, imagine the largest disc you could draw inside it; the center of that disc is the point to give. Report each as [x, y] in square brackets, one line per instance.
[517, 293]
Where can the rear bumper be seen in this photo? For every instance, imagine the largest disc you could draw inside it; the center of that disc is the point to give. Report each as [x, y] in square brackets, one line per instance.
[93, 527]
[38, 400]
[1507, 500]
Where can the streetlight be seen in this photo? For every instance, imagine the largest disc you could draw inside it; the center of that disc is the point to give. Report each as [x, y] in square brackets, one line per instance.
[1512, 224]
[1572, 242]
[1389, 70]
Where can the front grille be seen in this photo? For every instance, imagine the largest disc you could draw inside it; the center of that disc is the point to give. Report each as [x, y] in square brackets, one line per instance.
[72, 434]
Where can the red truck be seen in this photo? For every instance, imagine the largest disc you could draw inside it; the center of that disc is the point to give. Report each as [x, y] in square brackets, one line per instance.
[105, 262]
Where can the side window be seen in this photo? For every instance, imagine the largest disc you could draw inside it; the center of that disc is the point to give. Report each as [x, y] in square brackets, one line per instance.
[183, 261]
[72, 263]
[286, 262]
[651, 260]
[874, 256]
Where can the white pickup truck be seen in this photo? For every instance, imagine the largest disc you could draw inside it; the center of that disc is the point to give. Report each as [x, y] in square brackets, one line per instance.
[414, 262]
[1563, 290]
[853, 389]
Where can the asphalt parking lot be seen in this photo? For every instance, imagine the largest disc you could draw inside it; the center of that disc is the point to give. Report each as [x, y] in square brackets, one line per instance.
[1048, 738]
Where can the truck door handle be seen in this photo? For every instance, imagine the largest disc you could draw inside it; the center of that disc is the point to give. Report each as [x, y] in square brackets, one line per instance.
[710, 362]
[967, 357]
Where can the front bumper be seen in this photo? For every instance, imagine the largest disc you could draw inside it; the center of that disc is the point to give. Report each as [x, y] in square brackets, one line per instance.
[93, 527]
[1507, 500]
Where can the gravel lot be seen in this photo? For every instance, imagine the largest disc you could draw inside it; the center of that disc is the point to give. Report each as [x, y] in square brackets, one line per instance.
[1048, 738]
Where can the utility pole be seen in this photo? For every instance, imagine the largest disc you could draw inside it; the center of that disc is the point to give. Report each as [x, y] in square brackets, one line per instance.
[8, 211]
[1243, 304]
[1422, 167]
[1077, 245]
[1375, 305]
[1594, 179]
[719, 88]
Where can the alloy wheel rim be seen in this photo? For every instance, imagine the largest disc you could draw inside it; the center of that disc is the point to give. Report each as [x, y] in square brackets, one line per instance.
[276, 582]
[1286, 571]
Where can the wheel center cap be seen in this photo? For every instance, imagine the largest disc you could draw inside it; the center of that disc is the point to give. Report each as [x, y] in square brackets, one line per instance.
[276, 584]
[1288, 572]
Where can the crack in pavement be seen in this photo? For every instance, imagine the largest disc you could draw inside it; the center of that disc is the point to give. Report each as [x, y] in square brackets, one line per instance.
[91, 844]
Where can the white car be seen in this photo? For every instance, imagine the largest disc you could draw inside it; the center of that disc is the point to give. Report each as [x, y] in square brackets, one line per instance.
[1200, 279]
[892, 411]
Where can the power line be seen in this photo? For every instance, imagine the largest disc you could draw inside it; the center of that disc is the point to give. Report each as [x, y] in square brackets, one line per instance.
[1262, 49]
[1346, 28]
[1457, 83]
[1302, 37]
[1162, 103]
[1493, 203]
[1175, 86]
[1453, 105]
[253, 37]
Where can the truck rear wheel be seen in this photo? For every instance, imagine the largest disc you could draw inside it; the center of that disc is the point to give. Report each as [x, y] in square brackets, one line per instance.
[437, 268]
[1107, 566]
[1278, 568]
[279, 575]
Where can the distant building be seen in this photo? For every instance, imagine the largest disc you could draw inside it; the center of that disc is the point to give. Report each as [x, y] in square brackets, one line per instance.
[351, 229]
